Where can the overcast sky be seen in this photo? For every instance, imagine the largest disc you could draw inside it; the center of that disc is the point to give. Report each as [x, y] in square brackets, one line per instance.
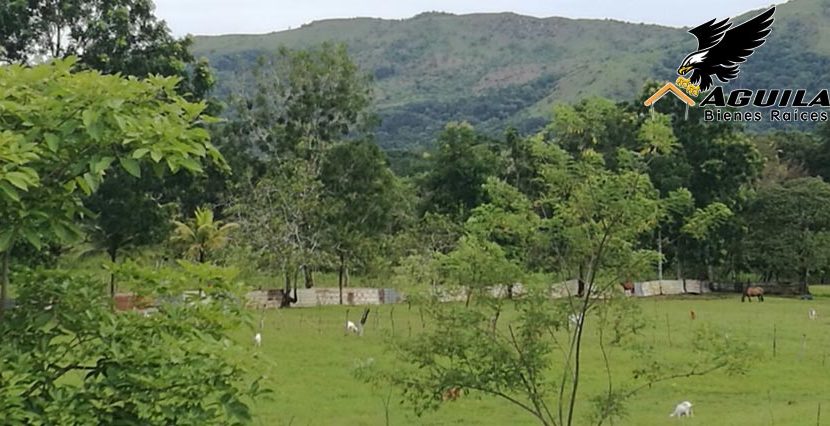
[262, 16]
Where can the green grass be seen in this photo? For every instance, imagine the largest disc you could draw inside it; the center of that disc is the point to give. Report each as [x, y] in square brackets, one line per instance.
[308, 362]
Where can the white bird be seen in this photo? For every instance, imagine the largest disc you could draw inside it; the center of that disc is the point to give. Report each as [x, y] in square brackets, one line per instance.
[258, 339]
[682, 409]
[350, 326]
[811, 313]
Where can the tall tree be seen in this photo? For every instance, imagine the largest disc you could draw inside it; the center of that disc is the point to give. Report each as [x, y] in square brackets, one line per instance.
[357, 189]
[63, 131]
[596, 124]
[125, 37]
[302, 103]
[128, 215]
[299, 104]
[787, 228]
[462, 165]
[280, 220]
[716, 162]
[111, 36]
[477, 265]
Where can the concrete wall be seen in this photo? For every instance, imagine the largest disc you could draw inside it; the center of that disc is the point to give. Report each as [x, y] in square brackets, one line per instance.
[564, 289]
[375, 296]
[670, 287]
[308, 297]
[268, 299]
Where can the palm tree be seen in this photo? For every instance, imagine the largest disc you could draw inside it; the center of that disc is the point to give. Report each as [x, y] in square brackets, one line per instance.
[202, 234]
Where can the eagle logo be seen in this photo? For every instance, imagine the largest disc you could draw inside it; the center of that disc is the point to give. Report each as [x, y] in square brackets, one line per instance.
[720, 49]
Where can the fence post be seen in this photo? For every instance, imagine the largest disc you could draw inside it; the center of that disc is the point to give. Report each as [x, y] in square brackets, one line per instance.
[392, 319]
[818, 415]
[774, 338]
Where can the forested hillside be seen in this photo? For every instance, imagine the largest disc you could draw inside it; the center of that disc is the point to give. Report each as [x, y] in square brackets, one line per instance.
[495, 70]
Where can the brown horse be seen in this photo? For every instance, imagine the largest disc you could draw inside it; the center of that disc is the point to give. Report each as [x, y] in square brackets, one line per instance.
[751, 292]
[628, 287]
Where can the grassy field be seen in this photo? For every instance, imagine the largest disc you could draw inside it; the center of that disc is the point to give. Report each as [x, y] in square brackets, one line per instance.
[309, 362]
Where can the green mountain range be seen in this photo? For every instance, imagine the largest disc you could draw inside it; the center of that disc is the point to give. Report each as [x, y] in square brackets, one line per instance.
[495, 70]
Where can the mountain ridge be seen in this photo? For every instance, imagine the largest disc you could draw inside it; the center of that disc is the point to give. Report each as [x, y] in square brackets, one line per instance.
[499, 69]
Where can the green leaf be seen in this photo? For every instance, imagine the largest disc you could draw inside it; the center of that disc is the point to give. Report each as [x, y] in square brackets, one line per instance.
[141, 152]
[89, 116]
[9, 191]
[70, 186]
[84, 185]
[33, 237]
[158, 169]
[103, 164]
[60, 231]
[191, 165]
[115, 103]
[131, 166]
[67, 233]
[52, 141]
[20, 180]
[91, 181]
[6, 239]
[155, 155]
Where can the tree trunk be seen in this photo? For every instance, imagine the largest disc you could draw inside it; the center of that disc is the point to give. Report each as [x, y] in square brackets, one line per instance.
[341, 275]
[580, 290]
[308, 274]
[710, 270]
[805, 274]
[4, 280]
[660, 252]
[287, 300]
[113, 252]
[201, 260]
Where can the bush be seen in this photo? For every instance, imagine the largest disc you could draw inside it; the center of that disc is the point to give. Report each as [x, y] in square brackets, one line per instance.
[68, 358]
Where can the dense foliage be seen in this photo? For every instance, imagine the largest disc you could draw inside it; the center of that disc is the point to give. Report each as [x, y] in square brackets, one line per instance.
[69, 359]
